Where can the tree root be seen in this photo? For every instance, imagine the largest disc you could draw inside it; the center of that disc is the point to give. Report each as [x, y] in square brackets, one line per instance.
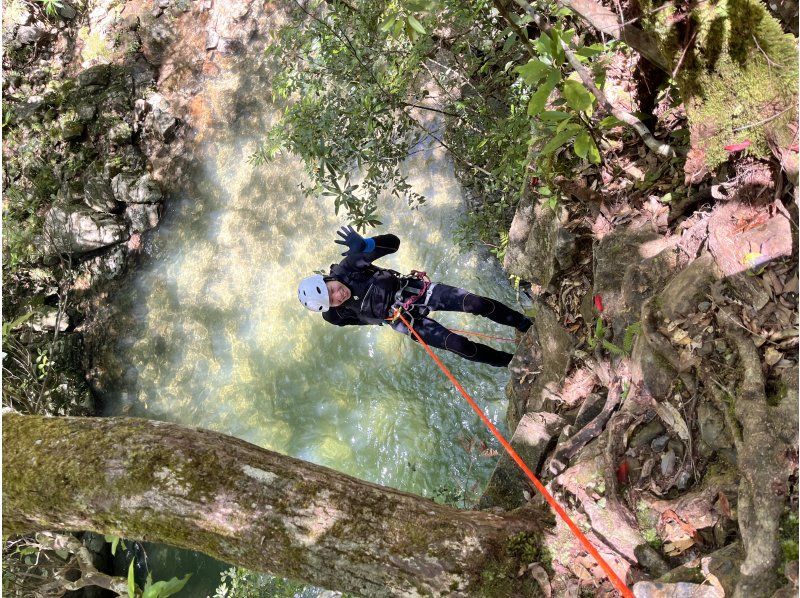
[661, 345]
[568, 449]
[763, 466]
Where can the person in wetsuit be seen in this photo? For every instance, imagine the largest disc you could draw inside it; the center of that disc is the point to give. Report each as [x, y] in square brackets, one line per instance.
[356, 293]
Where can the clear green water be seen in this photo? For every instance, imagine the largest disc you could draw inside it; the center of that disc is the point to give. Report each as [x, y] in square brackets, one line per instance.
[217, 338]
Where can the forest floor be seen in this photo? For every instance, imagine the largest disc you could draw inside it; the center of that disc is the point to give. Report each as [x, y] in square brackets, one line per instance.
[674, 439]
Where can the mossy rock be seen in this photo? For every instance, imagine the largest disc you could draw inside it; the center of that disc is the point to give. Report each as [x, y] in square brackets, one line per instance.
[738, 78]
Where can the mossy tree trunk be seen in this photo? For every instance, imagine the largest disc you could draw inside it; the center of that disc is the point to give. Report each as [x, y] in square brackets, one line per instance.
[205, 491]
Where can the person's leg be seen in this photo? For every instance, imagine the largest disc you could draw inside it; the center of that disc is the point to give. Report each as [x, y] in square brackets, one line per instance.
[436, 335]
[447, 298]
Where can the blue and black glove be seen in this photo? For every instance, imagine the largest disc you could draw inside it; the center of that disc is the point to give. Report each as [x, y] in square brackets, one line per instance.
[355, 242]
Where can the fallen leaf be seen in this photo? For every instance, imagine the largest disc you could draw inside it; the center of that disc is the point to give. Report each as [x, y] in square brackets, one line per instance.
[771, 356]
[540, 575]
[678, 546]
[724, 505]
[737, 147]
[672, 417]
[580, 571]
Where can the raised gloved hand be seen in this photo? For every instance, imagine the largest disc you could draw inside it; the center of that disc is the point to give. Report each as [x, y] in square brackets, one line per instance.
[355, 242]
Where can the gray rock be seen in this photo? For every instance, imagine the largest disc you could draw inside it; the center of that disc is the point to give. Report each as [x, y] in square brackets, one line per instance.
[29, 34]
[99, 75]
[79, 229]
[120, 133]
[565, 248]
[129, 188]
[108, 266]
[86, 112]
[97, 192]
[65, 11]
[142, 216]
[647, 433]
[712, 428]
[531, 440]
[539, 366]
[47, 319]
[613, 255]
[158, 119]
[688, 288]
[532, 240]
[212, 39]
[72, 130]
[651, 369]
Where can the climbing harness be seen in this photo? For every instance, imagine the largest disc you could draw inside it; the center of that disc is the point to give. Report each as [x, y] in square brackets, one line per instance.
[425, 290]
[612, 576]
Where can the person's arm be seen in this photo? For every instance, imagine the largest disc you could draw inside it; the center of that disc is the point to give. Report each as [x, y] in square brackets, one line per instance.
[362, 252]
[337, 318]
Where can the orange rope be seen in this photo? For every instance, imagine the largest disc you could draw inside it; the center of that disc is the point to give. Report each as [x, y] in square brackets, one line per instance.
[618, 583]
[482, 335]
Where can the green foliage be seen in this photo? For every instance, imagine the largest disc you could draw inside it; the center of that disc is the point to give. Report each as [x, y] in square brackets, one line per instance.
[789, 535]
[571, 121]
[364, 85]
[241, 583]
[51, 7]
[631, 332]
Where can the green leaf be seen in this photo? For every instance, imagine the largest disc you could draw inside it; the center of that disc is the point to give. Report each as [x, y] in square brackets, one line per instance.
[609, 122]
[557, 141]
[533, 72]
[577, 96]
[539, 98]
[589, 51]
[389, 22]
[163, 589]
[581, 146]
[554, 115]
[594, 153]
[613, 349]
[114, 540]
[131, 581]
[416, 25]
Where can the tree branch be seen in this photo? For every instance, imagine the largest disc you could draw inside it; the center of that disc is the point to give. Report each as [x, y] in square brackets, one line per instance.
[658, 147]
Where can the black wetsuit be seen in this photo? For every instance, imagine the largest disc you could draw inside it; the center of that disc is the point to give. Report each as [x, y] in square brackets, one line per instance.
[374, 291]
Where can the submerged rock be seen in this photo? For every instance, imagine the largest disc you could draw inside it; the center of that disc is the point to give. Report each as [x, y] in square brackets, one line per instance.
[142, 216]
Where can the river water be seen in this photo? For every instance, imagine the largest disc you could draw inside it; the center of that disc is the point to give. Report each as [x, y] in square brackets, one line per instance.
[217, 338]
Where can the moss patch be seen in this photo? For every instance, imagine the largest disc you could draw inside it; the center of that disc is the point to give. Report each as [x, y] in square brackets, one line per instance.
[740, 71]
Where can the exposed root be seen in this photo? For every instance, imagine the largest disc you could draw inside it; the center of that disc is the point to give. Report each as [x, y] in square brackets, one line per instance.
[568, 449]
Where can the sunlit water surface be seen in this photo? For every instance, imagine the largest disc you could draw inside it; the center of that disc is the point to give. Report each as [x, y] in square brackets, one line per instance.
[219, 340]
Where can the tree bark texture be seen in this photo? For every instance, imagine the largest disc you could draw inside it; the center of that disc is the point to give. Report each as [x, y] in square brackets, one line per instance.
[201, 490]
[603, 19]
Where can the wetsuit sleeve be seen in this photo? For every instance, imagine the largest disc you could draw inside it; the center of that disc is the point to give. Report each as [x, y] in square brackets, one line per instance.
[337, 318]
[376, 247]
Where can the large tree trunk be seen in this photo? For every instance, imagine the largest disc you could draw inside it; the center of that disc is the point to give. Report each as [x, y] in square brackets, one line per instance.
[201, 490]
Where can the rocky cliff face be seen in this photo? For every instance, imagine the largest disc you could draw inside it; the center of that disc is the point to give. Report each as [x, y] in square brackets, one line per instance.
[657, 392]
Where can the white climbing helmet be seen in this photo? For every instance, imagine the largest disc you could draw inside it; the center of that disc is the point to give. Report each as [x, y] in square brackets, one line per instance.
[313, 293]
